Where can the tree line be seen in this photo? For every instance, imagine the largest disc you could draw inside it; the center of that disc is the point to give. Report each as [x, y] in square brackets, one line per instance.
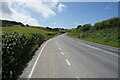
[6, 23]
[110, 23]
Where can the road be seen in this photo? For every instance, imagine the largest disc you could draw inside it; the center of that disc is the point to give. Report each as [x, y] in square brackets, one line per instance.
[66, 57]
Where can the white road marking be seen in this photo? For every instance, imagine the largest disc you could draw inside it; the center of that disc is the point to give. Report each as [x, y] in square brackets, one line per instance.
[68, 62]
[98, 49]
[31, 72]
[59, 48]
[78, 78]
[62, 53]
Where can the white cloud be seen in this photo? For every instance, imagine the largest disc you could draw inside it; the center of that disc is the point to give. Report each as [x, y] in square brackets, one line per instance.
[23, 11]
[9, 13]
[61, 7]
[5, 8]
[66, 0]
[40, 7]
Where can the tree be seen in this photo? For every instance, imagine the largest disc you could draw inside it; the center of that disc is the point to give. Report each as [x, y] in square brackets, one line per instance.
[48, 28]
[79, 26]
[27, 25]
[86, 27]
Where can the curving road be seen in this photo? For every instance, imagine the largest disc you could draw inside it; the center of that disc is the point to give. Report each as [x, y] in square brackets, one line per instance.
[66, 57]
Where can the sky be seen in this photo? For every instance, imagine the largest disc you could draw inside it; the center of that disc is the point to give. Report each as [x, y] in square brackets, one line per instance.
[58, 14]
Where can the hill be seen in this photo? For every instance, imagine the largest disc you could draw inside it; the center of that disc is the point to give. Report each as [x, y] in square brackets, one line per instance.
[105, 32]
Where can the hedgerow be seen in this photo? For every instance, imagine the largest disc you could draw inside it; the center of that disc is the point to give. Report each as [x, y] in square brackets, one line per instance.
[18, 49]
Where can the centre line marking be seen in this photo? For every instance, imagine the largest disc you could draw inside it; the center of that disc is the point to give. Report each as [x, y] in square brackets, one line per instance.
[68, 62]
[59, 48]
[62, 53]
[78, 78]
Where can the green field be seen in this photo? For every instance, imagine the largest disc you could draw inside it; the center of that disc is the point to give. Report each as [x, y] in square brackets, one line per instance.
[24, 30]
[29, 31]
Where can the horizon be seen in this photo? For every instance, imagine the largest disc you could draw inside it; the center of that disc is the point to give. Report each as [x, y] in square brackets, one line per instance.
[59, 14]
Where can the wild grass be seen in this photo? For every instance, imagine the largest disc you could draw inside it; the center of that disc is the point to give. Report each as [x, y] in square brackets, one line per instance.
[107, 35]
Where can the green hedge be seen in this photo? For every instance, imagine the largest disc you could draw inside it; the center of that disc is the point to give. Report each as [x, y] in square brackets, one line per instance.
[18, 49]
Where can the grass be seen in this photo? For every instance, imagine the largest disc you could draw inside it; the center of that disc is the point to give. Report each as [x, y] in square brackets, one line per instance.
[29, 30]
[108, 36]
[24, 30]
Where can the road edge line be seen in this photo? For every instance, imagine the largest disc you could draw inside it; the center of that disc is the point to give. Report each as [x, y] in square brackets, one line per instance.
[31, 72]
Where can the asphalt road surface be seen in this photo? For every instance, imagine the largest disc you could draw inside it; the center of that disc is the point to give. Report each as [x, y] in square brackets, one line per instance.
[66, 57]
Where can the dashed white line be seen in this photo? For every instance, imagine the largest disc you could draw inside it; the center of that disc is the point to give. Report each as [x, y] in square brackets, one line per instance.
[59, 48]
[62, 53]
[78, 78]
[68, 62]
[31, 72]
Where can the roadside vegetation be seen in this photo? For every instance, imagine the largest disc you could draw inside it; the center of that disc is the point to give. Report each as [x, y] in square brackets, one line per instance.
[19, 43]
[105, 32]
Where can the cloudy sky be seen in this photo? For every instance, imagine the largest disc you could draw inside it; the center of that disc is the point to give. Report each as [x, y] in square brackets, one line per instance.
[57, 13]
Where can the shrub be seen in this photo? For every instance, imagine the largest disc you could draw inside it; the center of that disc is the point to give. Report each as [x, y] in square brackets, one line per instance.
[86, 27]
[79, 26]
[17, 50]
[110, 23]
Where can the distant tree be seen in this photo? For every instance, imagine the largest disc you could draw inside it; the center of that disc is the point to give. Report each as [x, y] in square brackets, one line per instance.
[48, 28]
[79, 26]
[86, 27]
[27, 25]
[56, 29]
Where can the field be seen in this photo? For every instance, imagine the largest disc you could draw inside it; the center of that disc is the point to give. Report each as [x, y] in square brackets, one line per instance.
[26, 30]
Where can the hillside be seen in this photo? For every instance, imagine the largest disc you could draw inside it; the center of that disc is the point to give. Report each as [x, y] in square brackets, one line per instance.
[105, 32]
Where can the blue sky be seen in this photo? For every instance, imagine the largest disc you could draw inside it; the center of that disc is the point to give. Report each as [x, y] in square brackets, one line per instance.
[82, 13]
[59, 14]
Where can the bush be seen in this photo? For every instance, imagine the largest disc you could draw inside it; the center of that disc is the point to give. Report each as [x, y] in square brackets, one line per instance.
[79, 26]
[17, 50]
[110, 23]
[86, 27]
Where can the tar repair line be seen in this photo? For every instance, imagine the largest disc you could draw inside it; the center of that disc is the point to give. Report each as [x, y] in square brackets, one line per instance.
[58, 44]
[62, 53]
[30, 75]
[68, 62]
[96, 48]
